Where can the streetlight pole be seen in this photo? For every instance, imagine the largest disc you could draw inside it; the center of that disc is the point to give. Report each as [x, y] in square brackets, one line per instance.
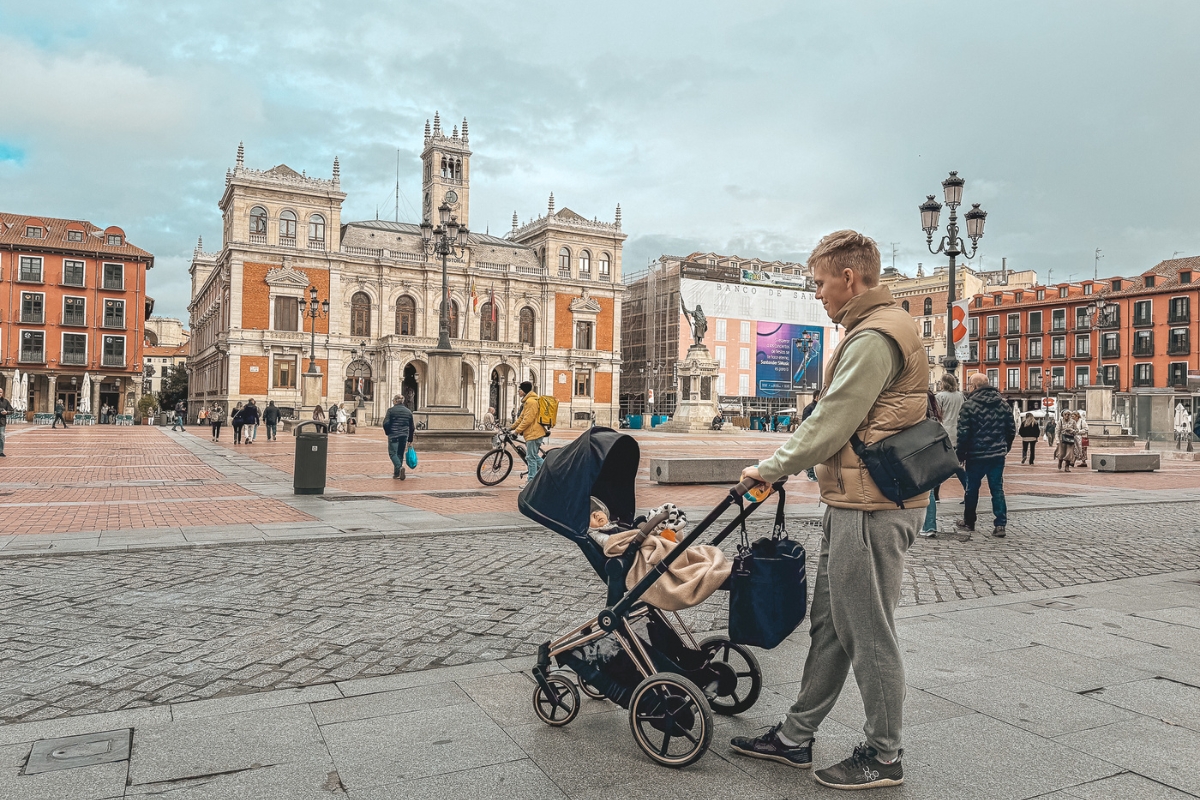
[1098, 311]
[313, 309]
[952, 246]
[447, 239]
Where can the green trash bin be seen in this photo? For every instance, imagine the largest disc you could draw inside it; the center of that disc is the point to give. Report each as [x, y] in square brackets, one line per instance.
[312, 454]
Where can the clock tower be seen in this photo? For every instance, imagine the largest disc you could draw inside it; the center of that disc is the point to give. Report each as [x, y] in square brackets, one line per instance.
[446, 177]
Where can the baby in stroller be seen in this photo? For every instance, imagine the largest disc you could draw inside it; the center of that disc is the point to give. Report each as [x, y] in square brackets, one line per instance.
[637, 652]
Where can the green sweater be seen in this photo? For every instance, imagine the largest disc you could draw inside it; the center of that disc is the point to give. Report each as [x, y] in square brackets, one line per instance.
[869, 362]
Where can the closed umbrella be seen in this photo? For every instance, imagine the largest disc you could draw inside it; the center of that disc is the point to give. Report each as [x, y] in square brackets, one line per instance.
[85, 402]
[24, 396]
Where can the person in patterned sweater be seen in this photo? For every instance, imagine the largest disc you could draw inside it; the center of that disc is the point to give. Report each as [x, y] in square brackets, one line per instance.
[986, 430]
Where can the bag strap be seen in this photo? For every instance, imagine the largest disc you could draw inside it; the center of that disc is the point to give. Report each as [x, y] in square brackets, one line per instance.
[780, 529]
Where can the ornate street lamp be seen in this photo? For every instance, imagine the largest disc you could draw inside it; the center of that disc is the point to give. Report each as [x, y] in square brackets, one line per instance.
[314, 310]
[1099, 315]
[447, 239]
[952, 246]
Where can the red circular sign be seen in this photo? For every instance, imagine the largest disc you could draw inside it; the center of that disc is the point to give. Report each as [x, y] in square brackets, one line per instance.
[1047, 402]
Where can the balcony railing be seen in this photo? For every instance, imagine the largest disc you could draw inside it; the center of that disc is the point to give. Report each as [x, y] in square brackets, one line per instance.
[110, 360]
[1058, 356]
[1034, 357]
[1177, 381]
[74, 320]
[114, 284]
[1082, 355]
[113, 324]
[75, 359]
[1110, 352]
[32, 356]
[1012, 359]
[1179, 318]
[287, 241]
[1143, 320]
[992, 333]
[1058, 383]
[1178, 348]
[258, 238]
[1143, 349]
[33, 319]
[1035, 330]
[316, 244]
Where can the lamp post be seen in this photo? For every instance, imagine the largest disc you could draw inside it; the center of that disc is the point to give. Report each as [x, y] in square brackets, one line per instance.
[313, 309]
[1099, 313]
[952, 246]
[447, 239]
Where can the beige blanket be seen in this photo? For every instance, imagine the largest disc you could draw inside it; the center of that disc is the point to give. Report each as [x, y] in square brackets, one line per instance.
[697, 573]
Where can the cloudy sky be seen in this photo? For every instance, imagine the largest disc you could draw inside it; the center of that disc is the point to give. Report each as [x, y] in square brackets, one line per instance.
[749, 128]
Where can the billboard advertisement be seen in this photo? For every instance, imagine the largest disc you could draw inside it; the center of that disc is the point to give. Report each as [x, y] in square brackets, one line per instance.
[788, 359]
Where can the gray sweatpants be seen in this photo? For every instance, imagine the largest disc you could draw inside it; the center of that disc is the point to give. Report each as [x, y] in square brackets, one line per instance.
[858, 588]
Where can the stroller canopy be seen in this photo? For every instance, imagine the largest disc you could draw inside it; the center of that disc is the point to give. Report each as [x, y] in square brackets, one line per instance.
[601, 463]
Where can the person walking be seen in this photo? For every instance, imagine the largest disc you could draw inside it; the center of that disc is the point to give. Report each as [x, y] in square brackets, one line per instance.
[342, 418]
[986, 431]
[59, 410]
[1067, 452]
[950, 402]
[875, 386]
[5, 409]
[271, 416]
[177, 420]
[401, 431]
[529, 425]
[1051, 430]
[1029, 432]
[250, 419]
[333, 417]
[318, 414]
[216, 417]
[237, 420]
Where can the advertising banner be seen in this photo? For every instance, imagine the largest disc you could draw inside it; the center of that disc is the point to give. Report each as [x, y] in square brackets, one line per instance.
[788, 359]
[962, 343]
[741, 301]
[801, 282]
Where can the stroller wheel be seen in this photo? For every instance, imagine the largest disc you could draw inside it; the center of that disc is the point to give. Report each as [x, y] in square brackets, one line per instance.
[560, 705]
[739, 678]
[670, 719]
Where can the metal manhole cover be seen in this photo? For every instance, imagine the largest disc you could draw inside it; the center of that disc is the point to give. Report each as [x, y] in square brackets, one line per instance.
[1058, 604]
[70, 752]
[456, 495]
[346, 498]
[1045, 494]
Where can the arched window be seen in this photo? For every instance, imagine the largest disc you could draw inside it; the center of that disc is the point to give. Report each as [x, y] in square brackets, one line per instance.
[445, 168]
[360, 314]
[287, 228]
[406, 316]
[316, 231]
[585, 264]
[904, 305]
[564, 261]
[602, 268]
[453, 313]
[525, 332]
[358, 381]
[489, 322]
[258, 224]
[928, 306]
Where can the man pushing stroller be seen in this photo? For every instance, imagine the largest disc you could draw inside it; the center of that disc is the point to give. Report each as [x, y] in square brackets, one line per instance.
[875, 386]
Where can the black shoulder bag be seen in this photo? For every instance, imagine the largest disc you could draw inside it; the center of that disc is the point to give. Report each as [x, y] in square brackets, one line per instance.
[909, 463]
[768, 589]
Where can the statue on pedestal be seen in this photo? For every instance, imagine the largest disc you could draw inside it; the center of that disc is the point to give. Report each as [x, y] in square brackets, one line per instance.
[698, 321]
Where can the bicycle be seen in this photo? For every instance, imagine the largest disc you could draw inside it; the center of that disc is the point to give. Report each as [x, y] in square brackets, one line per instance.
[497, 463]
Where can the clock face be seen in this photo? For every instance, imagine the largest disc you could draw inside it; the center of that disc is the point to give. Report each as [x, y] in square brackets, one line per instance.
[451, 197]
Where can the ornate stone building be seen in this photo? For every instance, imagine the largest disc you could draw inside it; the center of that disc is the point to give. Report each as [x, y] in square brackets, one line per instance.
[543, 303]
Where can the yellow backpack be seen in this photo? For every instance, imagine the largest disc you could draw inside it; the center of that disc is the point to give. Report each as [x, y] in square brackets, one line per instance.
[547, 411]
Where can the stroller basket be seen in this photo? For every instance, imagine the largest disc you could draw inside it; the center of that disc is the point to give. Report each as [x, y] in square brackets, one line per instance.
[636, 655]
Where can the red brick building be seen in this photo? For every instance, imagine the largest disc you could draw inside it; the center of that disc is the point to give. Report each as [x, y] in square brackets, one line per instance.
[1050, 340]
[73, 303]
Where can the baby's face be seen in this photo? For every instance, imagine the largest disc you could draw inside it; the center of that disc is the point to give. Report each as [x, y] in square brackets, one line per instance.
[598, 520]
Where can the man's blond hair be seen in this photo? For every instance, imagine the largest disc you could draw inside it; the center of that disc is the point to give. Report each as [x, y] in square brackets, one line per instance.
[847, 250]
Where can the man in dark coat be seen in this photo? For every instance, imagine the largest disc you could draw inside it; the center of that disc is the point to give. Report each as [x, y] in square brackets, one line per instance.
[400, 430]
[5, 409]
[271, 417]
[986, 430]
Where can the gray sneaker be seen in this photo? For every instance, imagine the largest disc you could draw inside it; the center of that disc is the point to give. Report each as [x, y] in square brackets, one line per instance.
[861, 771]
[998, 532]
[770, 747]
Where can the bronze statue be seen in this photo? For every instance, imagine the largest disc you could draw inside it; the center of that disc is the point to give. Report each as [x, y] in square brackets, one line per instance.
[697, 319]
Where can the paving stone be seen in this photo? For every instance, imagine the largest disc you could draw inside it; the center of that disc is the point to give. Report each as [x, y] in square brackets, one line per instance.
[1159, 751]
[1170, 701]
[514, 780]
[1037, 707]
[98, 782]
[417, 744]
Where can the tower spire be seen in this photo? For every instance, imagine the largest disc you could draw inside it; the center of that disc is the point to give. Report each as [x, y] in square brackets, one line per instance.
[337, 172]
[241, 156]
[618, 217]
[426, 131]
[464, 130]
[455, 134]
[550, 206]
[437, 124]
[514, 230]
[199, 244]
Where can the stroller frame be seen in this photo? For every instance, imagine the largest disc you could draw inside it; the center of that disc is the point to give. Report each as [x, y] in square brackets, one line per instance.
[665, 702]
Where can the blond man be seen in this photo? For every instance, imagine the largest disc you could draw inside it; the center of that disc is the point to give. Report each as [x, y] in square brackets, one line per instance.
[874, 386]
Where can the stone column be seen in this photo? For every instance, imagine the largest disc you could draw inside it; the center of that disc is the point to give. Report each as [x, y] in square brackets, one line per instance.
[52, 382]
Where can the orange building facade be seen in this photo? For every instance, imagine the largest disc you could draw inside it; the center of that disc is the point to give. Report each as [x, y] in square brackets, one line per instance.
[1137, 335]
[74, 306]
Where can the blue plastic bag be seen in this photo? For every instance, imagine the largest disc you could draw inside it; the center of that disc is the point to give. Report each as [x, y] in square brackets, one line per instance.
[410, 458]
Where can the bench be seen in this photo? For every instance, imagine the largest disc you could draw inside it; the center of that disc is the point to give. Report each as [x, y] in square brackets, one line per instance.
[699, 469]
[1125, 462]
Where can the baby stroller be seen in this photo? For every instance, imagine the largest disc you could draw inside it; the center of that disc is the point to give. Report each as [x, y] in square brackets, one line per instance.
[636, 655]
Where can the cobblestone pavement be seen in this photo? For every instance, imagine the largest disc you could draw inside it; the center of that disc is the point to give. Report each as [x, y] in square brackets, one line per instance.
[115, 631]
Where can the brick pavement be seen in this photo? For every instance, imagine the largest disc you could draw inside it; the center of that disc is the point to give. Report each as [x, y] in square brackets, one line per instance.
[122, 631]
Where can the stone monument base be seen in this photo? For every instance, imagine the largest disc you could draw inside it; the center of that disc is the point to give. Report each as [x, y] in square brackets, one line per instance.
[691, 416]
[310, 389]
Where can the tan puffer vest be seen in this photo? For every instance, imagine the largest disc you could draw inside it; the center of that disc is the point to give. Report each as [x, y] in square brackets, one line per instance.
[844, 480]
